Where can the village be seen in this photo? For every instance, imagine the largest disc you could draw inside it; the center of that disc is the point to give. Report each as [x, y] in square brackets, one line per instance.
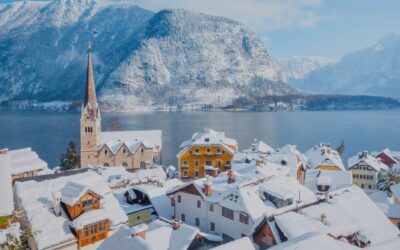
[218, 197]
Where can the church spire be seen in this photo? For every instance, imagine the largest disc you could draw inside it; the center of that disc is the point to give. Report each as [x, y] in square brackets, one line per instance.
[90, 94]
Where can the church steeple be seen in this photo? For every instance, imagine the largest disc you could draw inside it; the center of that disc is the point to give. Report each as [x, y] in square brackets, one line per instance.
[90, 94]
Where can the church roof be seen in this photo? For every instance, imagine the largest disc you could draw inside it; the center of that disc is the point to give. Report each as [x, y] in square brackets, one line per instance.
[90, 92]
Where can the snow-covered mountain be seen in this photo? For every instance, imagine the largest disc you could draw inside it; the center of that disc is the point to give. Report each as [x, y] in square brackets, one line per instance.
[141, 59]
[297, 67]
[371, 71]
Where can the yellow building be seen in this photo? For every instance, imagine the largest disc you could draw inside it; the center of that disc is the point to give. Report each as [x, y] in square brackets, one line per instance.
[206, 151]
[323, 157]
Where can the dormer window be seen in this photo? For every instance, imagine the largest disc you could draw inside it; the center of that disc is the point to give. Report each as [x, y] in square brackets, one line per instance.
[105, 151]
[207, 139]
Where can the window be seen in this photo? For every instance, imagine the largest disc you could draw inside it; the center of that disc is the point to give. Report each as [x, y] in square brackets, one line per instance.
[212, 226]
[208, 150]
[185, 163]
[208, 163]
[185, 173]
[101, 226]
[89, 202]
[142, 150]
[84, 203]
[86, 230]
[369, 187]
[218, 150]
[244, 218]
[196, 163]
[228, 213]
[106, 164]
[183, 217]
[219, 163]
[85, 129]
[197, 222]
[198, 204]
[196, 173]
[124, 164]
[228, 163]
[94, 229]
[124, 151]
[197, 150]
[211, 207]
[142, 165]
[179, 199]
[362, 185]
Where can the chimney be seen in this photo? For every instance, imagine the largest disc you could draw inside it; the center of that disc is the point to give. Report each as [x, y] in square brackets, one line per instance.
[328, 151]
[56, 203]
[140, 230]
[214, 173]
[365, 154]
[207, 188]
[176, 224]
[231, 176]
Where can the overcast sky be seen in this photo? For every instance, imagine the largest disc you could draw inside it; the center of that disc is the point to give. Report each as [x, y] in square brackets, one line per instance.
[302, 27]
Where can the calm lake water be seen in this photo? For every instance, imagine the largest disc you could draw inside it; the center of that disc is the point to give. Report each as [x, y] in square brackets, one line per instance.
[49, 132]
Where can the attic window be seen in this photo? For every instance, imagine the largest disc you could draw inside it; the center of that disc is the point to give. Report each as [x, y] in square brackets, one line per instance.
[244, 218]
[207, 139]
[105, 151]
[124, 151]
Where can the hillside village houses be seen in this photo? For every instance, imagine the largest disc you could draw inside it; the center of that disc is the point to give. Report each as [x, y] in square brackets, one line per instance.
[206, 151]
[367, 170]
[131, 149]
[255, 199]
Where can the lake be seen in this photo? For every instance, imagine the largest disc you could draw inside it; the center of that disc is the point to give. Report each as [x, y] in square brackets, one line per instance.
[48, 132]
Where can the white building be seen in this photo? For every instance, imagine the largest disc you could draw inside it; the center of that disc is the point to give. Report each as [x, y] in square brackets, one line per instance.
[232, 203]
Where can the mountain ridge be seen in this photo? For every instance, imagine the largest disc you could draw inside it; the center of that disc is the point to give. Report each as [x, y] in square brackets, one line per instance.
[141, 59]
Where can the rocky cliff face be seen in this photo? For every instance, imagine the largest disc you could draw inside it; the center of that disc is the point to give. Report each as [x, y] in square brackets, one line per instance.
[141, 59]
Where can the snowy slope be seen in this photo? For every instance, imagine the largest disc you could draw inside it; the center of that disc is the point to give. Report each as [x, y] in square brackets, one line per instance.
[140, 59]
[297, 67]
[371, 71]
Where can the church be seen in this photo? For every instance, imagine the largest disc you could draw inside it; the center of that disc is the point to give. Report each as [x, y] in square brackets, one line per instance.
[130, 149]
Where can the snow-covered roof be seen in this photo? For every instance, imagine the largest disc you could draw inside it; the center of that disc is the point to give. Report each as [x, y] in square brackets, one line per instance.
[350, 211]
[131, 139]
[288, 156]
[209, 138]
[90, 217]
[369, 160]
[72, 192]
[36, 198]
[313, 241]
[393, 155]
[259, 147]
[6, 191]
[159, 236]
[337, 179]
[323, 154]
[243, 243]
[386, 204]
[158, 196]
[25, 160]
[395, 189]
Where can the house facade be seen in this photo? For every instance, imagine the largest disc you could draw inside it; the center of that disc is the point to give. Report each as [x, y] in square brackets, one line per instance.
[210, 150]
[26, 163]
[131, 149]
[367, 171]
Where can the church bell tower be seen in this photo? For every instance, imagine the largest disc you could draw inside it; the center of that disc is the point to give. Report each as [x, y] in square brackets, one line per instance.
[90, 119]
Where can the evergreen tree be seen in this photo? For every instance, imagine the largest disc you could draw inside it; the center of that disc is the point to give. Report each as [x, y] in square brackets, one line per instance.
[341, 148]
[71, 158]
